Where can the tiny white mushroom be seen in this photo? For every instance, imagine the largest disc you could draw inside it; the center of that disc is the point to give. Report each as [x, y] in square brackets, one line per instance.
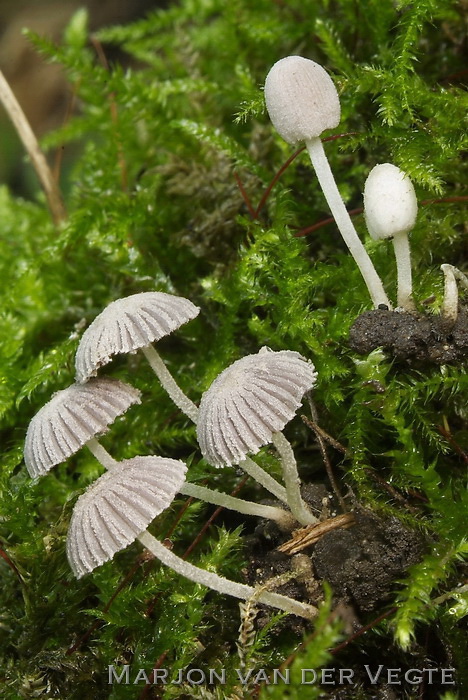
[390, 210]
[117, 508]
[73, 418]
[134, 323]
[248, 405]
[449, 311]
[302, 102]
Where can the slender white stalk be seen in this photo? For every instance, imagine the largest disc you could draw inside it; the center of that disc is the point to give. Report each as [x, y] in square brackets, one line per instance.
[201, 576]
[461, 277]
[403, 263]
[101, 454]
[187, 406]
[292, 481]
[282, 517]
[180, 399]
[221, 584]
[264, 479]
[449, 311]
[344, 223]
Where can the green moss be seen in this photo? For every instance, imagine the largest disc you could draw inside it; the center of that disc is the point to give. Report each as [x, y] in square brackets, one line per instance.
[153, 203]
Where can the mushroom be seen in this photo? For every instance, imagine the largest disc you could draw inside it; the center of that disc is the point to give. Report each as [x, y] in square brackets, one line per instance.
[134, 323]
[119, 506]
[390, 210]
[302, 102]
[71, 419]
[449, 311]
[248, 405]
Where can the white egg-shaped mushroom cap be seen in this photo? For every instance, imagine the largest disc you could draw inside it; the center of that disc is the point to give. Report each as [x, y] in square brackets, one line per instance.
[71, 418]
[129, 324]
[119, 506]
[390, 204]
[301, 99]
[249, 401]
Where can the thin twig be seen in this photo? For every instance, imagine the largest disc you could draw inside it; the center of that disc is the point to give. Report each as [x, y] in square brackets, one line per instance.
[306, 536]
[326, 460]
[26, 134]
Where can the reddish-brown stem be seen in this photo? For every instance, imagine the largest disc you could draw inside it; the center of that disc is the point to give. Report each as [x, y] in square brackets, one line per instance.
[254, 213]
[359, 210]
[245, 196]
[363, 630]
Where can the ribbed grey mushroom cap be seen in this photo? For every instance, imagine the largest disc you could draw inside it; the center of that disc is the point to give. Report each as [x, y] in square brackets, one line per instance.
[301, 99]
[71, 418]
[129, 324]
[249, 401]
[118, 506]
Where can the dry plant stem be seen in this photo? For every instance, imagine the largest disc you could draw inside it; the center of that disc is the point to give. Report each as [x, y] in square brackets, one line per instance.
[404, 281]
[324, 453]
[282, 517]
[191, 410]
[291, 480]
[344, 223]
[306, 536]
[221, 584]
[31, 145]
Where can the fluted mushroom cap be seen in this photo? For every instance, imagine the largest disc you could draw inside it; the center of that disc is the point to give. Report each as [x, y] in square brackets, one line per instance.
[301, 99]
[118, 506]
[249, 401]
[390, 204]
[129, 324]
[71, 418]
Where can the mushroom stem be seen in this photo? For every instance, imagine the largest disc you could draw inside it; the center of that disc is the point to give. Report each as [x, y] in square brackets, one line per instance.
[191, 410]
[264, 479]
[221, 584]
[282, 517]
[403, 263]
[180, 399]
[292, 481]
[101, 454]
[344, 223]
[449, 311]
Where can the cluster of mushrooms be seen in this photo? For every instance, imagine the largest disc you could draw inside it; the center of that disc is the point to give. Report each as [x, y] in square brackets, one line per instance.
[245, 408]
[248, 404]
[302, 102]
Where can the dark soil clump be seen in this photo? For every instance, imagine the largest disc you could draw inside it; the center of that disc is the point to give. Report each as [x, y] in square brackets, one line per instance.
[411, 336]
[361, 563]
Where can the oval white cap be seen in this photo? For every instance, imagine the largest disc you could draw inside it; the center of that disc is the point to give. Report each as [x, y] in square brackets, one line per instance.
[301, 99]
[249, 401]
[390, 204]
[118, 506]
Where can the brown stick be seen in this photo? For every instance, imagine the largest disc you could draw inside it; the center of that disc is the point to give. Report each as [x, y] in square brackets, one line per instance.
[305, 536]
[26, 134]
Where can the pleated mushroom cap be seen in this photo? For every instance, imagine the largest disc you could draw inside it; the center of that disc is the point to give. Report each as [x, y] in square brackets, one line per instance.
[118, 506]
[71, 418]
[301, 99]
[129, 324]
[249, 401]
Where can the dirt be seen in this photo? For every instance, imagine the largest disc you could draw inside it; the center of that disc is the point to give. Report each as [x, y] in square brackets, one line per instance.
[361, 563]
[408, 336]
